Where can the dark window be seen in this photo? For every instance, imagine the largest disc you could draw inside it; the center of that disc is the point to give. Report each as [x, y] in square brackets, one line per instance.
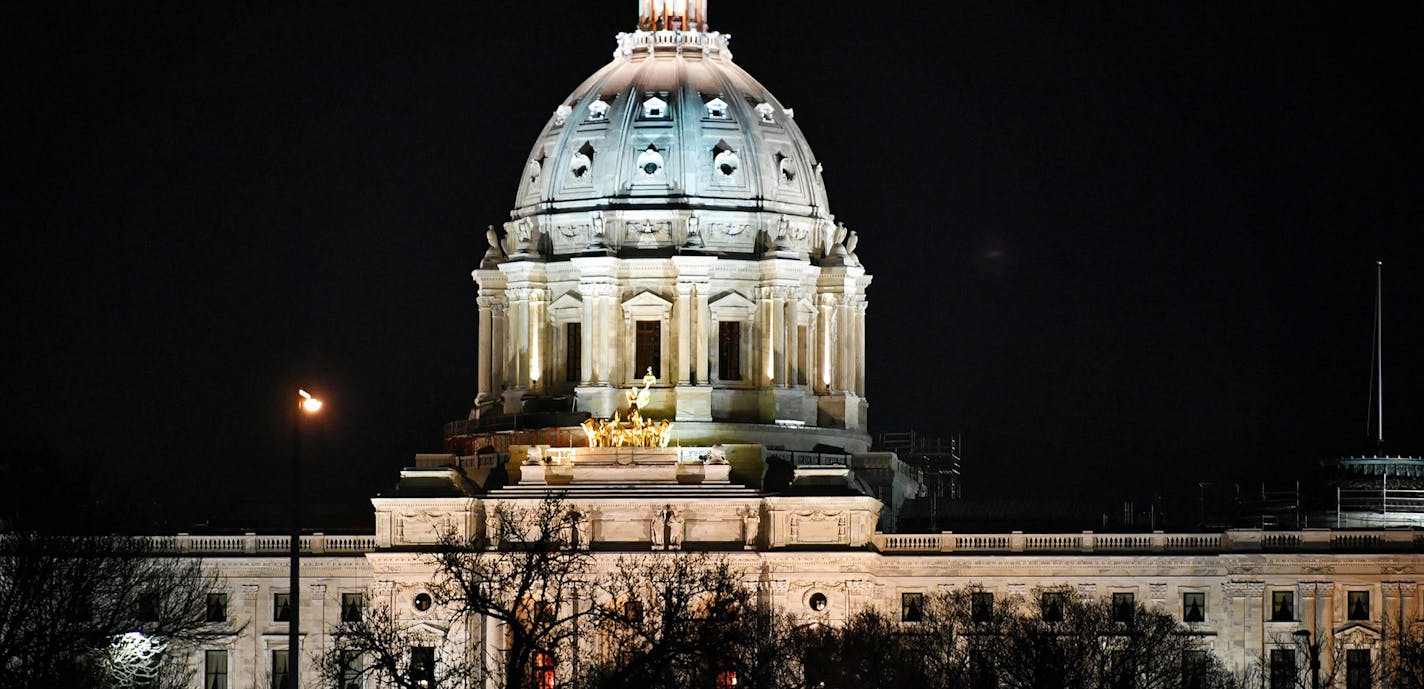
[215, 670]
[1123, 673]
[817, 601]
[633, 611]
[1194, 606]
[422, 666]
[981, 606]
[216, 608]
[1282, 606]
[726, 675]
[544, 670]
[281, 607]
[912, 607]
[1359, 605]
[422, 601]
[352, 605]
[982, 673]
[573, 352]
[729, 350]
[1123, 605]
[1051, 605]
[351, 670]
[148, 607]
[803, 352]
[279, 670]
[1193, 669]
[1283, 671]
[648, 348]
[1359, 670]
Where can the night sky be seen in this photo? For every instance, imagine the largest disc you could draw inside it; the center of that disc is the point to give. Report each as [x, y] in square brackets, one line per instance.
[1120, 248]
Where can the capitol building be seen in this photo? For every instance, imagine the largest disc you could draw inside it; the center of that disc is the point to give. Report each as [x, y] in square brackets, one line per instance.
[672, 337]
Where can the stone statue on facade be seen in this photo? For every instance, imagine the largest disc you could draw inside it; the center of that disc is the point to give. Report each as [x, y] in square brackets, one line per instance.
[583, 523]
[492, 529]
[659, 533]
[674, 524]
[719, 455]
[495, 254]
[751, 521]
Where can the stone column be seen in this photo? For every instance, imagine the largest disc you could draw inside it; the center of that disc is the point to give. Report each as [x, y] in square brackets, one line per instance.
[765, 355]
[499, 345]
[589, 332]
[859, 362]
[825, 367]
[777, 324]
[485, 352]
[538, 340]
[684, 334]
[793, 339]
[703, 332]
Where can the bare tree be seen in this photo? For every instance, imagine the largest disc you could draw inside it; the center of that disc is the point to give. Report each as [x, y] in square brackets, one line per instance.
[1404, 660]
[674, 620]
[101, 610]
[526, 572]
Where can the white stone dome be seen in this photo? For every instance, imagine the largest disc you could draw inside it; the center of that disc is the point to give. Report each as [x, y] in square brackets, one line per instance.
[671, 129]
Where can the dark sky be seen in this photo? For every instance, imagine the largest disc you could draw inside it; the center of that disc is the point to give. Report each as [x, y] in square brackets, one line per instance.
[1122, 248]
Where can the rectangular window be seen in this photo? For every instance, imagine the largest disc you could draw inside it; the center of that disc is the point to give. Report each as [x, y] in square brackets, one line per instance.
[279, 670]
[1051, 605]
[981, 606]
[1359, 669]
[573, 352]
[215, 670]
[648, 348]
[729, 350]
[912, 607]
[1194, 606]
[1282, 606]
[281, 607]
[422, 666]
[352, 605]
[1283, 671]
[1358, 603]
[1123, 605]
[803, 356]
[351, 670]
[216, 608]
[148, 607]
[544, 670]
[1193, 669]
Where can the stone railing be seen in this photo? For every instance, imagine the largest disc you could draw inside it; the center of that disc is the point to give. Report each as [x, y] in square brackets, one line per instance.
[261, 544]
[1232, 541]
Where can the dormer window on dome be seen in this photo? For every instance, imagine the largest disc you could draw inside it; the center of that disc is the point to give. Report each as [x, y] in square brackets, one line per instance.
[655, 108]
[598, 111]
[561, 115]
[717, 109]
[766, 113]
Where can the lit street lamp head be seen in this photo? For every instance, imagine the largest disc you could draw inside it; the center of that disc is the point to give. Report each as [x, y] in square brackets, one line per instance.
[309, 404]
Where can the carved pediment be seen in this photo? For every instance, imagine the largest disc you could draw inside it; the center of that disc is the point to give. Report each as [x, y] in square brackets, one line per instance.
[646, 302]
[1357, 634]
[568, 307]
[732, 306]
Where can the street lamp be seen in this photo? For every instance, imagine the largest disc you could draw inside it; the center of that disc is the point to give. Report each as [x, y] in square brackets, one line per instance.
[306, 407]
[1302, 636]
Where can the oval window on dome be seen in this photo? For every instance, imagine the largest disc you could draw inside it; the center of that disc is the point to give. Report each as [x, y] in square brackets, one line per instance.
[725, 161]
[650, 161]
[785, 171]
[582, 162]
[817, 602]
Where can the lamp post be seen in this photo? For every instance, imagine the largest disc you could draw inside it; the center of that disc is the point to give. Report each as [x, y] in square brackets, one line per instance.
[306, 407]
[1313, 648]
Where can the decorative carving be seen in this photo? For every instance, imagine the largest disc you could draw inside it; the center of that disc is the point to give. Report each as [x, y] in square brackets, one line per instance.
[731, 229]
[561, 115]
[571, 230]
[596, 222]
[1017, 589]
[675, 529]
[1157, 591]
[694, 235]
[719, 455]
[248, 592]
[648, 227]
[496, 253]
[1243, 589]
